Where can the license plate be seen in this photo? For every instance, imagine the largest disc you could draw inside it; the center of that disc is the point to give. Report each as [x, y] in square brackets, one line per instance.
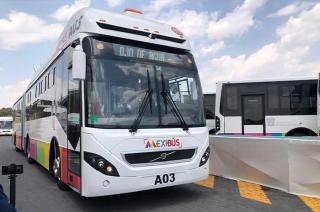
[165, 178]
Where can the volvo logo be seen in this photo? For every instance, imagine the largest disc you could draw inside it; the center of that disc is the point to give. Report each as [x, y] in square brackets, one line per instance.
[162, 156]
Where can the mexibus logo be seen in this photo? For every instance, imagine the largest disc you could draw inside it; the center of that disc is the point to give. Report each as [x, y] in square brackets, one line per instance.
[173, 142]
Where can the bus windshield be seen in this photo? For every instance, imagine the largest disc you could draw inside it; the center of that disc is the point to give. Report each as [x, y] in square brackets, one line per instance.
[5, 124]
[119, 76]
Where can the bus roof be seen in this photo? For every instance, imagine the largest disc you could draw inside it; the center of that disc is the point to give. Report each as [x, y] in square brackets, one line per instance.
[6, 118]
[269, 80]
[129, 25]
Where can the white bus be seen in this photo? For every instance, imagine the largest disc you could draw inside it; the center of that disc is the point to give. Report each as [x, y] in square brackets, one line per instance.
[117, 109]
[271, 108]
[209, 102]
[6, 126]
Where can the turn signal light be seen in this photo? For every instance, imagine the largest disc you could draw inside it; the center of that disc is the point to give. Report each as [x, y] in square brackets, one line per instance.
[205, 157]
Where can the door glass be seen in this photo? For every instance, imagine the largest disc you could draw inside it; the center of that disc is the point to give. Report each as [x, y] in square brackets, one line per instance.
[74, 124]
[252, 110]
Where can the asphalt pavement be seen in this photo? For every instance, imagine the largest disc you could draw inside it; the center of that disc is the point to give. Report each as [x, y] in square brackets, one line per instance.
[37, 192]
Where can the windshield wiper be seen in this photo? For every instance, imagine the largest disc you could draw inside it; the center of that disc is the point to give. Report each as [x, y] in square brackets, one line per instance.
[168, 99]
[142, 107]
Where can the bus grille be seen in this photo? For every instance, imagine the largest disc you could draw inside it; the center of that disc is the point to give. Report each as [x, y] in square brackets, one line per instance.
[145, 158]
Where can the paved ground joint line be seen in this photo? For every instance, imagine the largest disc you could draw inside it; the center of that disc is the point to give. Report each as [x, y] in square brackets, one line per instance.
[253, 191]
[312, 202]
[209, 182]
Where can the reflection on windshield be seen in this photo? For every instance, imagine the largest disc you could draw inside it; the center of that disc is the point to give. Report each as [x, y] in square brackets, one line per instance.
[5, 124]
[116, 91]
[184, 92]
[117, 84]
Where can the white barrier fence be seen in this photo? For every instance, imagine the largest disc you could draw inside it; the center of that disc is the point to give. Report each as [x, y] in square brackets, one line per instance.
[288, 164]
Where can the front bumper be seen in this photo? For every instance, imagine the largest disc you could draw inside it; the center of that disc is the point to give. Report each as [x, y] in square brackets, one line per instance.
[97, 184]
[5, 133]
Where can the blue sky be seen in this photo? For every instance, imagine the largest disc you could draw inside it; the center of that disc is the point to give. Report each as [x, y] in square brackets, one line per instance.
[231, 40]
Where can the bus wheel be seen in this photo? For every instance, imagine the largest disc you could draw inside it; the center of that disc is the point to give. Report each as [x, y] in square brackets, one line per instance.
[301, 131]
[29, 158]
[56, 169]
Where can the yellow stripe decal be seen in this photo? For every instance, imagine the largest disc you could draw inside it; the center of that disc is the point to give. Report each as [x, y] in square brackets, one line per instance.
[209, 182]
[253, 191]
[312, 202]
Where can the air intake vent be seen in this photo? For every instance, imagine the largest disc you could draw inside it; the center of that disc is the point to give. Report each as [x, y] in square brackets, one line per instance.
[159, 156]
[141, 33]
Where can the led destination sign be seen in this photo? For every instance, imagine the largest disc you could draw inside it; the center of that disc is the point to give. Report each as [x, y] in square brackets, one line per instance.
[142, 53]
[128, 51]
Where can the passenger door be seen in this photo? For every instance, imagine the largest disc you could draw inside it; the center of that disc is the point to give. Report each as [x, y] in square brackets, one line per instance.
[253, 115]
[73, 128]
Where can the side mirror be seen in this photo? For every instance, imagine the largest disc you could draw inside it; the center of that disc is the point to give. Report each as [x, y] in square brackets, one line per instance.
[78, 64]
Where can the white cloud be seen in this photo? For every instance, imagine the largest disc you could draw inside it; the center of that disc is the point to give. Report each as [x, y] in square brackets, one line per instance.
[204, 29]
[213, 48]
[291, 9]
[287, 57]
[207, 31]
[64, 12]
[236, 22]
[21, 28]
[191, 22]
[10, 93]
[155, 6]
[114, 3]
[302, 30]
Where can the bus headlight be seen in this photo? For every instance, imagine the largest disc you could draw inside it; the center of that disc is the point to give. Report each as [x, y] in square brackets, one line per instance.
[100, 164]
[205, 157]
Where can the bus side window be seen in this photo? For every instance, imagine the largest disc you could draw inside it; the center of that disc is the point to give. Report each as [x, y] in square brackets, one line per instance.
[45, 83]
[232, 104]
[53, 76]
[49, 80]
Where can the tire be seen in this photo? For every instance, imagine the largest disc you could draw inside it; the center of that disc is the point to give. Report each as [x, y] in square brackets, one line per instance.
[29, 158]
[56, 169]
[299, 134]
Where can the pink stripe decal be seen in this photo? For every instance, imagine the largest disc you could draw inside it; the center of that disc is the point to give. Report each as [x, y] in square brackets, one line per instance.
[33, 149]
[64, 165]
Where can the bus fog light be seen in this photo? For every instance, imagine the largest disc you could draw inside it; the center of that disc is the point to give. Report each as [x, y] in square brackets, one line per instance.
[205, 157]
[100, 164]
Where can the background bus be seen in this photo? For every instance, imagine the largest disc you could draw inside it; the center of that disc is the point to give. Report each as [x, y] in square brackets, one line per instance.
[118, 108]
[209, 102]
[6, 126]
[272, 108]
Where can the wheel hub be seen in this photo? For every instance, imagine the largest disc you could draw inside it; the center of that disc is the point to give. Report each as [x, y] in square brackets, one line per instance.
[56, 167]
